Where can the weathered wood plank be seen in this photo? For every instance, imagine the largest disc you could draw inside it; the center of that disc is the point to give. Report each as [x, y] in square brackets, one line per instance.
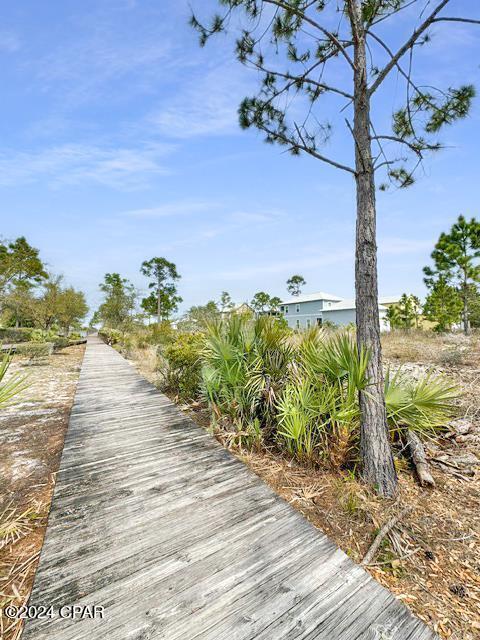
[153, 520]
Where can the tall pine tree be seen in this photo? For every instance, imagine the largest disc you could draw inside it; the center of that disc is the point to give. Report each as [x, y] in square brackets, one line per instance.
[309, 53]
[163, 280]
[456, 257]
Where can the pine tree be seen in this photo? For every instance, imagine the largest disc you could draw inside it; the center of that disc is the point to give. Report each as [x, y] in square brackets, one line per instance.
[443, 305]
[20, 266]
[164, 277]
[456, 258]
[314, 43]
[408, 312]
[118, 304]
[226, 303]
[295, 284]
[260, 302]
[274, 304]
[474, 306]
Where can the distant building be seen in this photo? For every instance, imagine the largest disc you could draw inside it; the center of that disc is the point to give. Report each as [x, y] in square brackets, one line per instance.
[389, 301]
[304, 311]
[238, 309]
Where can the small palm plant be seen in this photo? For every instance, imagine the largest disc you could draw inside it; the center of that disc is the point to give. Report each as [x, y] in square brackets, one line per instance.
[11, 387]
[423, 406]
[245, 367]
[301, 391]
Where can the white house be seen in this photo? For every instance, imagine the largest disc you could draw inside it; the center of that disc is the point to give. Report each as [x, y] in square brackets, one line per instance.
[311, 309]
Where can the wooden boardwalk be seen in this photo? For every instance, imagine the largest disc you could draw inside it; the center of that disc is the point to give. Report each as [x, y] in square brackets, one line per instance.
[153, 520]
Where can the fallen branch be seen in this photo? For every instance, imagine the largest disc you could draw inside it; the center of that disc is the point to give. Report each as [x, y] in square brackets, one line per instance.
[419, 458]
[451, 469]
[399, 559]
[367, 559]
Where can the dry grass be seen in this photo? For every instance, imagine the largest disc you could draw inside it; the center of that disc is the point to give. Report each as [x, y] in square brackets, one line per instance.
[429, 348]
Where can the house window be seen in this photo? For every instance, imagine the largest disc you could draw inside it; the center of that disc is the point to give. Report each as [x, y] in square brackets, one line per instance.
[286, 308]
[298, 324]
[319, 322]
[298, 308]
[282, 308]
[309, 324]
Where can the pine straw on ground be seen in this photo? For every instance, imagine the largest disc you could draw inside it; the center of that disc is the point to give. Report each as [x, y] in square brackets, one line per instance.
[32, 434]
[430, 559]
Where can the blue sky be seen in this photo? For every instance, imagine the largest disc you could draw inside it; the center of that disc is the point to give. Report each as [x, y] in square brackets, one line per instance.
[120, 142]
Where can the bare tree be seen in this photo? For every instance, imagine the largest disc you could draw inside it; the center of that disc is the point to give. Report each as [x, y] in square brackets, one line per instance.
[314, 39]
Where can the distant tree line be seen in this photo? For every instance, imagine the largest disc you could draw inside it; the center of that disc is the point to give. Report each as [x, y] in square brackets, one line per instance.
[119, 309]
[30, 296]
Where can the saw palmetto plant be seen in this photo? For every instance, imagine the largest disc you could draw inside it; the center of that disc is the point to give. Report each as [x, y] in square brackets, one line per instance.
[302, 391]
[10, 386]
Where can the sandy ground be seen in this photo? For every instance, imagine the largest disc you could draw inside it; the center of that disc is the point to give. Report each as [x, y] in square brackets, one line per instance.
[32, 433]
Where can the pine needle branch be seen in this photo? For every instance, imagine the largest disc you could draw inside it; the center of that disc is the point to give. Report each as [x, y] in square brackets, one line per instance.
[408, 45]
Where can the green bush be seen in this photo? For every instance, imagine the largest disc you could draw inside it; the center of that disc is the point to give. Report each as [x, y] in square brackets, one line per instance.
[13, 335]
[180, 362]
[49, 335]
[43, 335]
[111, 336]
[301, 390]
[36, 352]
[60, 342]
[160, 334]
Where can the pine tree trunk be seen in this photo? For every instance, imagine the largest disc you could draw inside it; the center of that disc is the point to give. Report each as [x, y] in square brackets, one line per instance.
[466, 324]
[159, 306]
[377, 461]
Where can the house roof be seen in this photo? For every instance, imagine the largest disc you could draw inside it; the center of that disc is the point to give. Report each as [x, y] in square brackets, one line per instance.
[238, 307]
[389, 299]
[312, 297]
[344, 304]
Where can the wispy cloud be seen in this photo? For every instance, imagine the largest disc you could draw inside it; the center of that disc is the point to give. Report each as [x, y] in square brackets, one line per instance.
[234, 219]
[400, 246]
[286, 266]
[255, 217]
[9, 42]
[109, 53]
[69, 164]
[207, 106]
[181, 208]
[387, 246]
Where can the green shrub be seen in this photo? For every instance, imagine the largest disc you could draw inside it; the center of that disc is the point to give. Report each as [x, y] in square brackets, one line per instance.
[180, 363]
[36, 352]
[140, 341]
[60, 342]
[111, 336]
[15, 335]
[245, 367]
[161, 334]
[43, 335]
[424, 406]
[302, 389]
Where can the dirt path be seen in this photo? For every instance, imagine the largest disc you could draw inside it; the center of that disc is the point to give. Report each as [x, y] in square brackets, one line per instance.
[31, 439]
